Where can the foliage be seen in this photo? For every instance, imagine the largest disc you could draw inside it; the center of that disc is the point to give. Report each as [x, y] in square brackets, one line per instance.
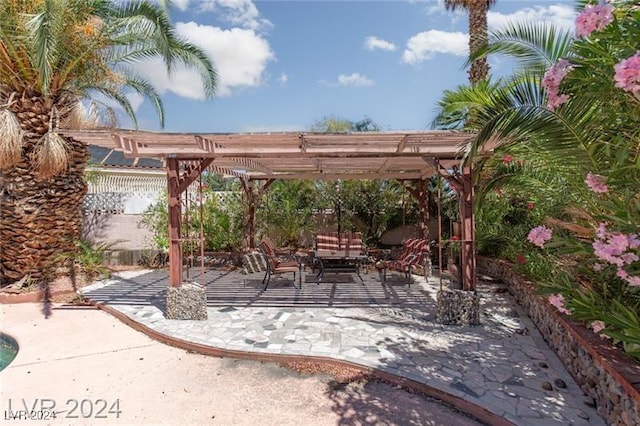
[287, 211]
[334, 124]
[222, 221]
[155, 218]
[577, 124]
[75, 49]
[90, 259]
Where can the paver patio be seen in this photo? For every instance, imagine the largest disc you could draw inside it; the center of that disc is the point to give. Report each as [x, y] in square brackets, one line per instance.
[501, 365]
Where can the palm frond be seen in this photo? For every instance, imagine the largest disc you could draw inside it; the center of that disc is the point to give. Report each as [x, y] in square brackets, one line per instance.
[117, 96]
[533, 45]
[44, 34]
[144, 88]
[51, 155]
[11, 139]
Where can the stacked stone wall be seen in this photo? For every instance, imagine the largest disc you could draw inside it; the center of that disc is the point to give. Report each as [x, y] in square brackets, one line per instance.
[609, 378]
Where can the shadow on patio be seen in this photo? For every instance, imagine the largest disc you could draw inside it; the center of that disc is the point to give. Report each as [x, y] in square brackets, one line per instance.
[232, 288]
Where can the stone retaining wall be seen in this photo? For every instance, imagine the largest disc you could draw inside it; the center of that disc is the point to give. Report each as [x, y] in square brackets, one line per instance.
[610, 378]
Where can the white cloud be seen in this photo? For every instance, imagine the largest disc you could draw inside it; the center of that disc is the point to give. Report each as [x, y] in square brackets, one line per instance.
[243, 13]
[426, 44]
[181, 4]
[239, 55]
[373, 43]
[283, 79]
[557, 14]
[355, 80]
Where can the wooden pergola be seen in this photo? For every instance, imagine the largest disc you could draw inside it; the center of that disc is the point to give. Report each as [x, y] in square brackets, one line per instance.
[406, 156]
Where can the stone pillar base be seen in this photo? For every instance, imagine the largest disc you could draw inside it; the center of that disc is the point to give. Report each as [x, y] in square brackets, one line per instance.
[458, 307]
[187, 302]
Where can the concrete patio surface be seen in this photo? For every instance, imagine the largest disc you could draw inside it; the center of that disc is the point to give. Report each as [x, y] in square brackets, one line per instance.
[503, 366]
[95, 370]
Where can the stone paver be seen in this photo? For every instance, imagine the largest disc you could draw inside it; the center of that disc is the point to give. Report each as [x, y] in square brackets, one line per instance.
[500, 365]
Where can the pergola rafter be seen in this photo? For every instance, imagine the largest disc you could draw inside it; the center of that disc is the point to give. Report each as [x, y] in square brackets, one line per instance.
[406, 156]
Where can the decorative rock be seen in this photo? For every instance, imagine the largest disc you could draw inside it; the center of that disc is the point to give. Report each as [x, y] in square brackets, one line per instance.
[187, 302]
[560, 383]
[583, 415]
[547, 386]
[458, 307]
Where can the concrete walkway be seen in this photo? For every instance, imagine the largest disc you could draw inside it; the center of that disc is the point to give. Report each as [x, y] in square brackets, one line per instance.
[503, 365]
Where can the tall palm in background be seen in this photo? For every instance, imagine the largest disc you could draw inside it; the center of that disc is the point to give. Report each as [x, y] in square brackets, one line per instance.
[477, 10]
[53, 54]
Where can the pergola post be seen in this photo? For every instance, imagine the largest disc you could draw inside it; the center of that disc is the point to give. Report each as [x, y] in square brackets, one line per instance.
[467, 249]
[462, 307]
[175, 219]
[189, 301]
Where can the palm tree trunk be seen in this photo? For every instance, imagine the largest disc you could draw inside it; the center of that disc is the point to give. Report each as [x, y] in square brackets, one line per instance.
[478, 38]
[40, 219]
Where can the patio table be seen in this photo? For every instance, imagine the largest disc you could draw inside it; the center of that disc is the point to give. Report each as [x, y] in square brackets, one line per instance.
[336, 262]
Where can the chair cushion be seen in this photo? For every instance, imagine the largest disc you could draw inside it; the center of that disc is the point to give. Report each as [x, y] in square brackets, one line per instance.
[253, 262]
[286, 264]
[327, 242]
[355, 247]
[414, 250]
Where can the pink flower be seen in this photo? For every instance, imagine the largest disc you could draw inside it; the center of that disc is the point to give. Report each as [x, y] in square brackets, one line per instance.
[628, 74]
[557, 300]
[507, 159]
[607, 252]
[597, 267]
[622, 274]
[531, 206]
[556, 100]
[613, 247]
[539, 235]
[551, 81]
[633, 281]
[596, 183]
[597, 326]
[593, 18]
[521, 259]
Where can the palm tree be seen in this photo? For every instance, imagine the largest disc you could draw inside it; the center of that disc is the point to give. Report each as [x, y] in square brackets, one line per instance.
[54, 54]
[477, 33]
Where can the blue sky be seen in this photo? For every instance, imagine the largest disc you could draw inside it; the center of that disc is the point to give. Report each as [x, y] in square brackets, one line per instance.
[284, 65]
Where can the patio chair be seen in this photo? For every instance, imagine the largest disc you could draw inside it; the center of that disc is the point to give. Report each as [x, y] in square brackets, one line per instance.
[415, 251]
[278, 264]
